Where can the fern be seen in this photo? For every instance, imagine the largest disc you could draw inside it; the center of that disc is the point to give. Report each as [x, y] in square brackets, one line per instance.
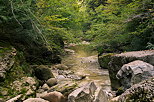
[150, 46]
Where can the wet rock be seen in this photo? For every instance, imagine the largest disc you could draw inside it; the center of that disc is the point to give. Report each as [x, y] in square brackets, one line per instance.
[45, 87]
[83, 94]
[76, 77]
[53, 97]
[26, 83]
[60, 67]
[118, 60]
[35, 100]
[43, 72]
[141, 92]
[7, 59]
[66, 87]
[15, 99]
[134, 72]
[51, 82]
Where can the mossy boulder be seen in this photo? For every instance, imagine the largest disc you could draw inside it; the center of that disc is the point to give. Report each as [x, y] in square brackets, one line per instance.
[141, 92]
[104, 60]
[43, 72]
[51, 82]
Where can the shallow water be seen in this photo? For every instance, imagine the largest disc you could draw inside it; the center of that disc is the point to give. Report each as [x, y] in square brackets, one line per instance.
[85, 62]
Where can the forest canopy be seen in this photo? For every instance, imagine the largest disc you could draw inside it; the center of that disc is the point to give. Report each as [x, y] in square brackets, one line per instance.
[110, 25]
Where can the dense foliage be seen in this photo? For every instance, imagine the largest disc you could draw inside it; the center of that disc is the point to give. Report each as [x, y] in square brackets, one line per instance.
[36, 27]
[121, 25]
[112, 25]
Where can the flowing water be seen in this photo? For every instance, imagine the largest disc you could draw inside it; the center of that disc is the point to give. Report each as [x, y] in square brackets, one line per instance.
[84, 61]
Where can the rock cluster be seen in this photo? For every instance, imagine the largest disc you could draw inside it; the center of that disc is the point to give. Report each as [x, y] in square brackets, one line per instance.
[131, 75]
[89, 93]
[26, 83]
[118, 60]
[7, 60]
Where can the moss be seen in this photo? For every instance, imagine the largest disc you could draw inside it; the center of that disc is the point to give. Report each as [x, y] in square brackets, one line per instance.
[119, 91]
[4, 50]
[104, 60]
[19, 69]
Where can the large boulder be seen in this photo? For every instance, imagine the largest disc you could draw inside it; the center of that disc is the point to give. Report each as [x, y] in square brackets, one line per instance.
[134, 72]
[141, 92]
[118, 60]
[83, 94]
[7, 59]
[53, 96]
[43, 72]
[35, 100]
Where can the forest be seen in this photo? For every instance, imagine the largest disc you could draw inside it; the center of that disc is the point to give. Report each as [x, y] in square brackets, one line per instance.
[35, 33]
[111, 25]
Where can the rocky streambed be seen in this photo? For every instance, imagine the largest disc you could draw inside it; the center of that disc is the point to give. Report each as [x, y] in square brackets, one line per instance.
[79, 78]
[84, 62]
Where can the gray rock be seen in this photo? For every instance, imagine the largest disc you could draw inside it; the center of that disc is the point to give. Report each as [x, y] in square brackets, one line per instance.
[118, 60]
[83, 94]
[61, 78]
[35, 100]
[51, 82]
[141, 92]
[7, 59]
[53, 97]
[43, 72]
[134, 72]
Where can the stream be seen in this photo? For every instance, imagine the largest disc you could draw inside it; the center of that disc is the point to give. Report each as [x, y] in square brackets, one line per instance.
[84, 61]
